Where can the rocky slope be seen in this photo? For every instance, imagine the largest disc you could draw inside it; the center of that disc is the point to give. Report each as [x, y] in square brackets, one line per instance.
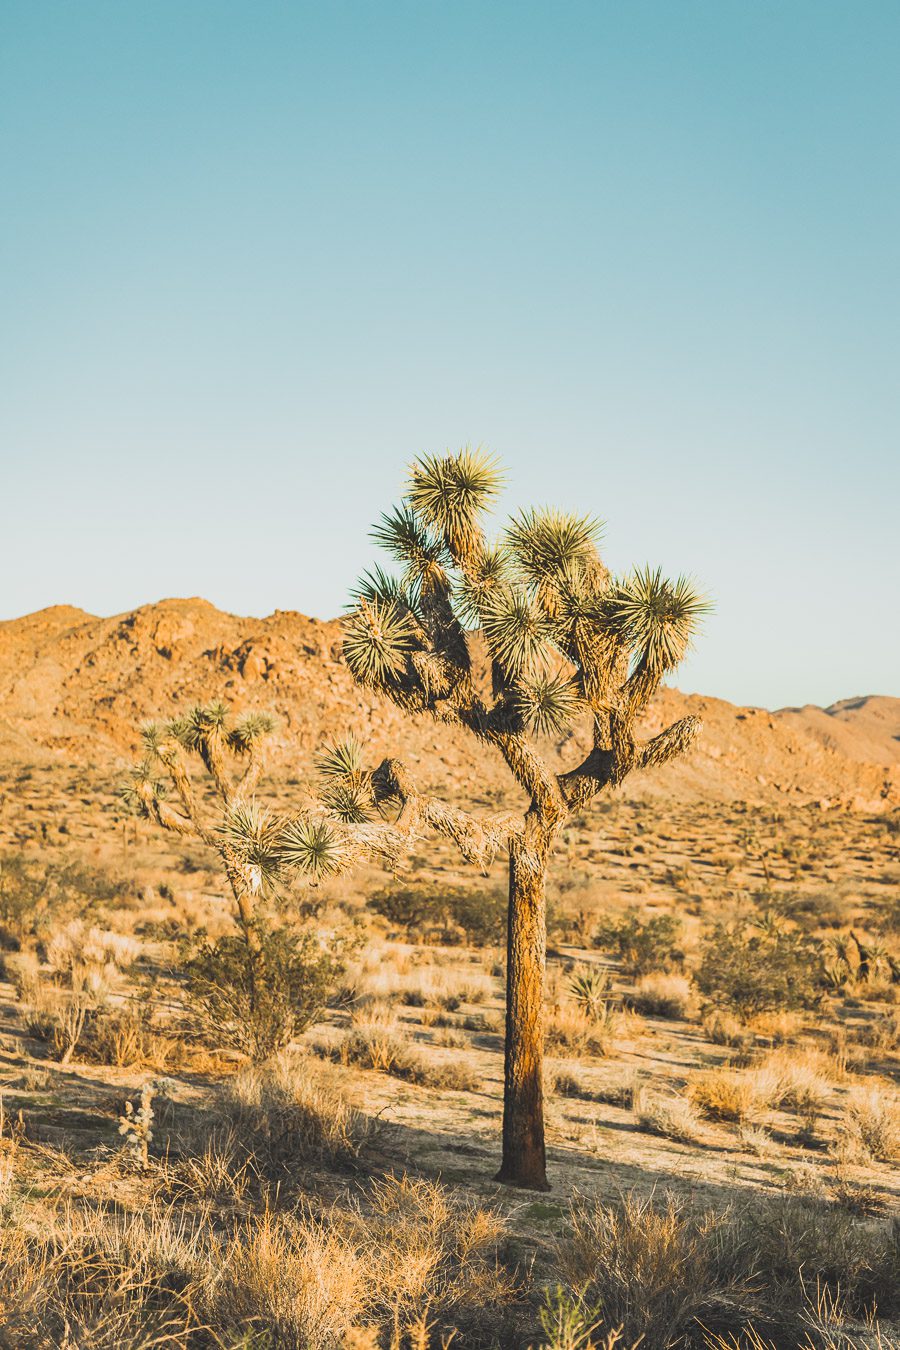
[74, 688]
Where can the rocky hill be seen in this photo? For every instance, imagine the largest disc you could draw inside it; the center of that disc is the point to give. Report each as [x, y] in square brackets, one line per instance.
[74, 688]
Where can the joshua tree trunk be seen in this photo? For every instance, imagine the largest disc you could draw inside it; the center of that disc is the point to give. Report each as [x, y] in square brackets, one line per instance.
[524, 1159]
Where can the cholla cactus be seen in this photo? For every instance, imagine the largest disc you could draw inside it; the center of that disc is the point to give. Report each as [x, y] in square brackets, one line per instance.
[136, 1123]
[565, 639]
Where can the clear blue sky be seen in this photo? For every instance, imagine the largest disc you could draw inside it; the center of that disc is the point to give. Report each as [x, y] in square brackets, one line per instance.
[257, 255]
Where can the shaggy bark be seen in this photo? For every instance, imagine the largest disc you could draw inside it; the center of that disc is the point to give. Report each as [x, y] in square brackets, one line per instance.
[524, 1161]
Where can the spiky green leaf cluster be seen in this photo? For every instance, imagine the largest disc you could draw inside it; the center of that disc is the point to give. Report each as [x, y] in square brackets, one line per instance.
[139, 782]
[341, 759]
[311, 847]
[516, 630]
[482, 580]
[255, 835]
[349, 799]
[404, 535]
[656, 618]
[449, 493]
[152, 737]
[547, 542]
[378, 636]
[347, 793]
[547, 704]
[198, 725]
[249, 731]
[381, 586]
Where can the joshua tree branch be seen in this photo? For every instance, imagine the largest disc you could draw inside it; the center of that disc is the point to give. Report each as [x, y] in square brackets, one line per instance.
[608, 767]
[531, 773]
[669, 743]
[164, 814]
[214, 761]
[478, 838]
[248, 780]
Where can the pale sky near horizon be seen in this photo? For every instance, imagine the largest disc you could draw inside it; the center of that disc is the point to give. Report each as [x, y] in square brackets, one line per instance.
[257, 255]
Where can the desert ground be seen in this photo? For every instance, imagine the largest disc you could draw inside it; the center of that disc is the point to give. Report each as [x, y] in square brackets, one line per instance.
[723, 1137]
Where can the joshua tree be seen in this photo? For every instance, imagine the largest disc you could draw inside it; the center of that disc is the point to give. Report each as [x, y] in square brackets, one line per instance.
[564, 639]
[232, 752]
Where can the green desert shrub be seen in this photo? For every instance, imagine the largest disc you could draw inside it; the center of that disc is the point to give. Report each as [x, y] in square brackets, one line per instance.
[257, 1002]
[481, 915]
[35, 896]
[641, 944]
[752, 970]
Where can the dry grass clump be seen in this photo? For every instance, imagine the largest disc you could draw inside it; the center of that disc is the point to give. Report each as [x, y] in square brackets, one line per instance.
[778, 1028]
[665, 1113]
[725, 1028]
[794, 1082]
[307, 1283]
[571, 1031]
[78, 945]
[675, 1275]
[285, 1114]
[392, 973]
[800, 1081]
[79, 1279]
[442, 1255]
[872, 1118]
[220, 1171]
[376, 1041]
[647, 1265]
[723, 1094]
[659, 994]
[566, 1084]
[883, 1032]
[116, 1281]
[417, 1258]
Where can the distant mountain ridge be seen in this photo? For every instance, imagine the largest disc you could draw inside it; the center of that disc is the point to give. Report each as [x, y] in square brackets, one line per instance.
[76, 687]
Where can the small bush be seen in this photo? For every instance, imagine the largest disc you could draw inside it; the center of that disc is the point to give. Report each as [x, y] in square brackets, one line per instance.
[641, 945]
[258, 1002]
[481, 915]
[752, 971]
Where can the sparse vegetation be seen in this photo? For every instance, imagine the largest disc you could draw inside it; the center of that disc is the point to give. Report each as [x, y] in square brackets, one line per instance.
[258, 999]
[642, 945]
[250, 1176]
[751, 970]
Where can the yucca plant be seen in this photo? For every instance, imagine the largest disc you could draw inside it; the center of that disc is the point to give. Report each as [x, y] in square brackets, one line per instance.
[590, 990]
[565, 641]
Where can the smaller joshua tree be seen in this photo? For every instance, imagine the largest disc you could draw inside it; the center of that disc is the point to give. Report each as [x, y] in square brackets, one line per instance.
[254, 990]
[232, 752]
